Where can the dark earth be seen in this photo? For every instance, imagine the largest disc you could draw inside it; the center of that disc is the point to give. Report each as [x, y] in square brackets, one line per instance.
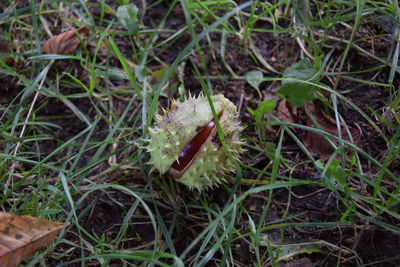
[307, 203]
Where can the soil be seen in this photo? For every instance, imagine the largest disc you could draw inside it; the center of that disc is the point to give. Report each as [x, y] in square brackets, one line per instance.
[307, 204]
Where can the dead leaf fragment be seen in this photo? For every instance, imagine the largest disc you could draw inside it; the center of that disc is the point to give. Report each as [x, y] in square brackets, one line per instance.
[66, 42]
[21, 236]
[5, 48]
[286, 112]
[316, 143]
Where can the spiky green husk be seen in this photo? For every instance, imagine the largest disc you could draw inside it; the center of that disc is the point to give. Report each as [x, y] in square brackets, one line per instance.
[177, 127]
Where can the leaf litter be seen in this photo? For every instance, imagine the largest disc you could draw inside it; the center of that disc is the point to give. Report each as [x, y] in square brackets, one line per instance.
[21, 236]
[65, 43]
[5, 47]
[315, 142]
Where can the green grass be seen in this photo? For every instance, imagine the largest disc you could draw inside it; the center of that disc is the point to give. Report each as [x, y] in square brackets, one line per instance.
[72, 131]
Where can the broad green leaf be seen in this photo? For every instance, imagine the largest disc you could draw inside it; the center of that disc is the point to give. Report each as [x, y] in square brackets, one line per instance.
[263, 107]
[297, 92]
[127, 17]
[254, 78]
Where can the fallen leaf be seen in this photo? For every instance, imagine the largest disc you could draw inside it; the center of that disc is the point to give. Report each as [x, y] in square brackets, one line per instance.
[316, 143]
[66, 42]
[286, 112]
[21, 236]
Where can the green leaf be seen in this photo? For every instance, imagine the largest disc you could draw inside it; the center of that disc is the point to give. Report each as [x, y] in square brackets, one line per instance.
[263, 107]
[127, 17]
[296, 92]
[123, 2]
[254, 78]
[334, 175]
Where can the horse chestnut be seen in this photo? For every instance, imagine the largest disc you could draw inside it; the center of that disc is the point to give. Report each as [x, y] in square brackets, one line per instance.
[184, 143]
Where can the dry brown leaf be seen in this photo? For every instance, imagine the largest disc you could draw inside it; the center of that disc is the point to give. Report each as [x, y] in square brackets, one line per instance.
[286, 112]
[316, 143]
[20, 236]
[66, 42]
